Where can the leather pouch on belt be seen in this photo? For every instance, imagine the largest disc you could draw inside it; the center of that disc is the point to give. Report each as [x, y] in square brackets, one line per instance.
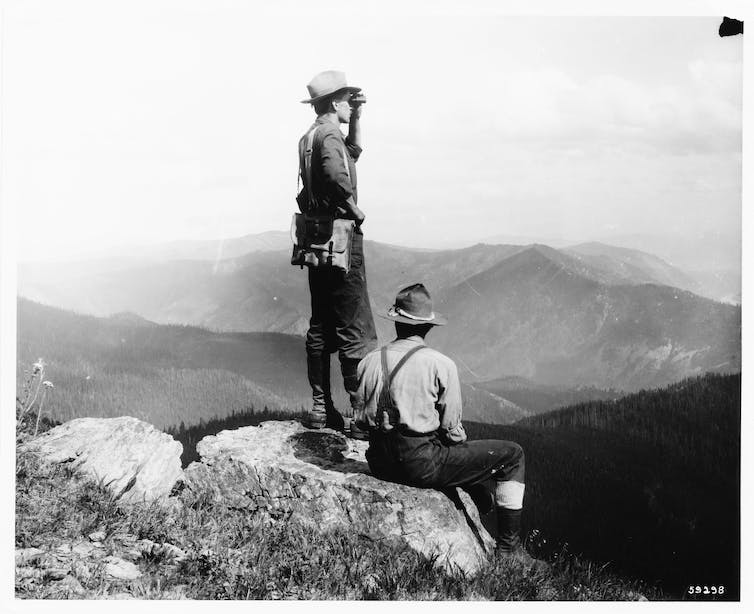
[321, 241]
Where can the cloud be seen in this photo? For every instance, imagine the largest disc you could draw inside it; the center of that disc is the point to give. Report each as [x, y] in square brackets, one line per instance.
[701, 113]
[723, 79]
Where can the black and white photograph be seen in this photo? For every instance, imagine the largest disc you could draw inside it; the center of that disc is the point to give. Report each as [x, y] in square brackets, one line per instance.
[357, 301]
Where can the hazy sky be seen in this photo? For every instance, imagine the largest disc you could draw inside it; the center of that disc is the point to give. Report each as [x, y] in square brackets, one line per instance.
[139, 122]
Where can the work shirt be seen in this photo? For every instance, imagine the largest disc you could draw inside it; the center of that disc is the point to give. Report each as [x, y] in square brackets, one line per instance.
[426, 391]
[333, 166]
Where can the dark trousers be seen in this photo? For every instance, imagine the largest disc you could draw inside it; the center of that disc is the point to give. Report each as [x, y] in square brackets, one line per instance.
[426, 461]
[341, 322]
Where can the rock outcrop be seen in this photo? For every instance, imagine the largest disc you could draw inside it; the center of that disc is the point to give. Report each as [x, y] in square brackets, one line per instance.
[131, 458]
[321, 478]
[278, 469]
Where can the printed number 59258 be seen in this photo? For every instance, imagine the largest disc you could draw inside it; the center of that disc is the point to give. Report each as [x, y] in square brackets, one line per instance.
[706, 590]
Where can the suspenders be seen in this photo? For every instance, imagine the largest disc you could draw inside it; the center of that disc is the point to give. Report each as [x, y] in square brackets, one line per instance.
[387, 412]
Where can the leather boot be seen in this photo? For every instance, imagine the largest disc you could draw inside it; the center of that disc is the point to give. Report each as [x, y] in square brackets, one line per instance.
[508, 530]
[334, 420]
[318, 370]
[348, 367]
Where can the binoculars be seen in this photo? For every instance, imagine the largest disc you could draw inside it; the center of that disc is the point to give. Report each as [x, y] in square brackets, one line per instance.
[356, 99]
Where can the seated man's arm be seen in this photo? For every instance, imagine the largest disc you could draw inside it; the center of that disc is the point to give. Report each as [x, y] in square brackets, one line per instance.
[365, 411]
[449, 406]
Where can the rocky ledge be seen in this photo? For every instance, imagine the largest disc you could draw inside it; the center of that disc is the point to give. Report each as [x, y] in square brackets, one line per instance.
[322, 479]
[280, 470]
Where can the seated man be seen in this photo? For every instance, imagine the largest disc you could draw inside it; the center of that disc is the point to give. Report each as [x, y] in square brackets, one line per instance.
[411, 400]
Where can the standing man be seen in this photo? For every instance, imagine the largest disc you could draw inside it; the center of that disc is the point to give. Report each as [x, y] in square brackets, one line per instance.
[341, 316]
[411, 404]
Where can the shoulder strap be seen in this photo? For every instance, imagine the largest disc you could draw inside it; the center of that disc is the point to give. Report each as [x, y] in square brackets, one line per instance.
[385, 401]
[402, 362]
[388, 376]
[305, 167]
[385, 371]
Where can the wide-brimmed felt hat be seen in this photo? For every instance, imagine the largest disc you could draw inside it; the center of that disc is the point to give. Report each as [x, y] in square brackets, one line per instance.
[413, 305]
[326, 84]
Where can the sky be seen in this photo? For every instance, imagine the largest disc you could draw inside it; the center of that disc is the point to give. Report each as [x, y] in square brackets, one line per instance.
[144, 122]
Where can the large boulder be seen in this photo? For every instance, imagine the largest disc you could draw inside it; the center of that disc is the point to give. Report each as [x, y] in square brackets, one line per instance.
[129, 457]
[321, 478]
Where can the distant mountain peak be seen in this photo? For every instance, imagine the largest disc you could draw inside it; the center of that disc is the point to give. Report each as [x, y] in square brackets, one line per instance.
[545, 250]
[538, 253]
[533, 263]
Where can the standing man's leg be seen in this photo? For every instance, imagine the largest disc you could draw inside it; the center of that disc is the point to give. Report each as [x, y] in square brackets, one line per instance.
[317, 347]
[354, 323]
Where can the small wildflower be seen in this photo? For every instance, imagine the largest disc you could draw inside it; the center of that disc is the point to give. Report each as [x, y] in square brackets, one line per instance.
[370, 583]
[39, 365]
[47, 384]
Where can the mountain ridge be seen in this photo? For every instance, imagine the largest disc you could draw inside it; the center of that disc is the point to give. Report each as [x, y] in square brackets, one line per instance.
[172, 373]
[554, 303]
[534, 317]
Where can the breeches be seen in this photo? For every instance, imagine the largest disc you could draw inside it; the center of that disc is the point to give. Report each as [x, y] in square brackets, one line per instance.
[426, 461]
[341, 315]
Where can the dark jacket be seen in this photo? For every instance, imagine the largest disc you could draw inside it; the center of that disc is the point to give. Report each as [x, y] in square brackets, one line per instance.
[333, 178]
